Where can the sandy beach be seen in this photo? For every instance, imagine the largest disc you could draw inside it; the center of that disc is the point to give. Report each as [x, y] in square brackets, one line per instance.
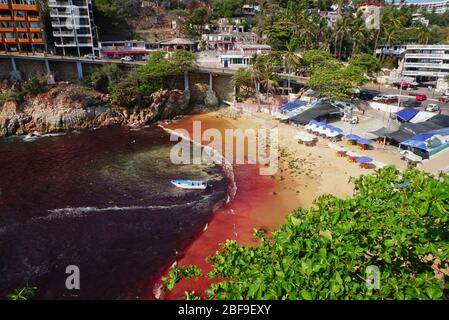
[263, 202]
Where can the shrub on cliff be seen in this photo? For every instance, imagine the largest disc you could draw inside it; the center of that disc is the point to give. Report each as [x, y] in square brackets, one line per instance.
[103, 78]
[389, 241]
[135, 88]
[34, 86]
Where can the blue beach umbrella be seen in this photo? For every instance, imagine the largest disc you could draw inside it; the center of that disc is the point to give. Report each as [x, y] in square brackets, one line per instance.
[364, 160]
[337, 130]
[352, 137]
[364, 142]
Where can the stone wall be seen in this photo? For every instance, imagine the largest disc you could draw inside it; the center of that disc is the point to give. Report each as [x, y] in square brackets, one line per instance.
[200, 81]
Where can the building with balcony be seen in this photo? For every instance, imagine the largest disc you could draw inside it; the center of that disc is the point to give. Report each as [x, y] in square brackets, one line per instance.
[21, 27]
[134, 48]
[73, 27]
[432, 6]
[426, 63]
[243, 55]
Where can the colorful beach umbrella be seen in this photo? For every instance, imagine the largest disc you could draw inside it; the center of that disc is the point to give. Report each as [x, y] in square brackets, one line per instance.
[352, 137]
[353, 154]
[364, 160]
[337, 130]
[364, 142]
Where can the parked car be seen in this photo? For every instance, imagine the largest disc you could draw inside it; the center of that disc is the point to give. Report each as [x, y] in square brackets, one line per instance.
[127, 59]
[433, 107]
[421, 97]
[378, 98]
[90, 56]
[390, 99]
[411, 103]
[443, 99]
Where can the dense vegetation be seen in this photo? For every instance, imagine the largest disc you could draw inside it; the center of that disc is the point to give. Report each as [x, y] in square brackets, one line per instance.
[396, 221]
[134, 88]
[281, 21]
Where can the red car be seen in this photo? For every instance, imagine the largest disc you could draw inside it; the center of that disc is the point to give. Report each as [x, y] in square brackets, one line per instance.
[421, 97]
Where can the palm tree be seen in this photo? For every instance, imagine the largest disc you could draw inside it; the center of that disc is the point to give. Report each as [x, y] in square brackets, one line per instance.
[262, 70]
[359, 34]
[423, 35]
[292, 58]
[341, 32]
[242, 81]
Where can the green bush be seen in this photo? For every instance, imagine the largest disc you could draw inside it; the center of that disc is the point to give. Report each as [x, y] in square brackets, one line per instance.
[34, 86]
[397, 222]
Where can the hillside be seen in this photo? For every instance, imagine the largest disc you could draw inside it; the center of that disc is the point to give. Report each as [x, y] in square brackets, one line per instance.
[148, 20]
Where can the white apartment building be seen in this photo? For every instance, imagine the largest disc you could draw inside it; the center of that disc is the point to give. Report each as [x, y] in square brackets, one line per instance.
[426, 63]
[73, 27]
[433, 6]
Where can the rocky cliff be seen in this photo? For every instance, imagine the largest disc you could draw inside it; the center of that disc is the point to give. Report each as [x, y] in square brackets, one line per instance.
[70, 107]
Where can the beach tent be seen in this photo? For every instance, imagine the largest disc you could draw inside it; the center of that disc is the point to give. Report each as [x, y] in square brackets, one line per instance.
[382, 132]
[364, 160]
[399, 136]
[318, 111]
[290, 106]
[441, 120]
[352, 137]
[422, 116]
[422, 136]
[364, 142]
[422, 127]
[406, 114]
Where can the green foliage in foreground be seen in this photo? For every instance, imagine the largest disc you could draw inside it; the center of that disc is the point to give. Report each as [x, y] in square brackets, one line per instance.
[336, 82]
[323, 252]
[24, 293]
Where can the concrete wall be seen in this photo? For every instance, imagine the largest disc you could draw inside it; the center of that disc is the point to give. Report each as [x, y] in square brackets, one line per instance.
[67, 71]
[5, 68]
[221, 84]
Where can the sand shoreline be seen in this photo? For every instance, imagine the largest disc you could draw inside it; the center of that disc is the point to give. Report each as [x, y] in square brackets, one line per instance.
[263, 202]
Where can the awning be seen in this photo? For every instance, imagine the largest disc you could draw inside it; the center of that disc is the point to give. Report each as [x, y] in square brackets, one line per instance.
[422, 136]
[314, 113]
[406, 114]
[415, 144]
[292, 105]
[422, 116]
[382, 132]
[399, 136]
[422, 127]
[441, 119]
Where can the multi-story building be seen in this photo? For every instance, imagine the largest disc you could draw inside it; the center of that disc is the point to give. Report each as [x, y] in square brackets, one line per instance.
[134, 48]
[426, 63]
[243, 55]
[434, 6]
[21, 27]
[74, 31]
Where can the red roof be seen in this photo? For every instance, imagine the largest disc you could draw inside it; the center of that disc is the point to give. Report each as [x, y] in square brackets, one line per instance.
[370, 3]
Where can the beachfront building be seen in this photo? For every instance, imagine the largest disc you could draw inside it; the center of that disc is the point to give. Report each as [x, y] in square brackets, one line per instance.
[432, 6]
[426, 63]
[390, 50]
[418, 18]
[242, 56]
[21, 27]
[73, 27]
[178, 43]
[133, 48]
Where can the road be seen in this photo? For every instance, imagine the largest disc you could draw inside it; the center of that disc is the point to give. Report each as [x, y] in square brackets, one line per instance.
[432, 96]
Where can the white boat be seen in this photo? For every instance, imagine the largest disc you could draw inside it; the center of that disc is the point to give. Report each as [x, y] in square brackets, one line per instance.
[188, 184]
[33, 135]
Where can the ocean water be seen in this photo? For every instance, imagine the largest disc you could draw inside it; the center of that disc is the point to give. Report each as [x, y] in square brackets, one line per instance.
[100, 200]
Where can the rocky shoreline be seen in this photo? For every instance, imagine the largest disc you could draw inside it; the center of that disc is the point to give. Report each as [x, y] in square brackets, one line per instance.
[65, 106]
